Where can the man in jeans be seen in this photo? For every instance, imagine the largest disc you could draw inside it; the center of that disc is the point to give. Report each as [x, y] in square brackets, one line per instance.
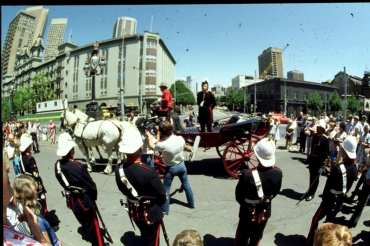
[35, 142]
[172, 149]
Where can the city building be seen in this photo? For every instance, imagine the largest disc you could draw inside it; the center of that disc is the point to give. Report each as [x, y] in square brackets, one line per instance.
[125, 25]
[270, 63]
[55, 37]
[271, 94]
[219, 90]
[240, 81]
[295, 75]
[146, 63]
[23, 31]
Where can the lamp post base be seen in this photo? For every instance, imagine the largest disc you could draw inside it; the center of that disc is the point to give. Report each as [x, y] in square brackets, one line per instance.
[93, 110]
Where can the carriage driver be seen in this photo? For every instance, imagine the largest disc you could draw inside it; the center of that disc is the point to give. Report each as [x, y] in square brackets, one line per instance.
[254, 192]
[142, 187]
[80, 190]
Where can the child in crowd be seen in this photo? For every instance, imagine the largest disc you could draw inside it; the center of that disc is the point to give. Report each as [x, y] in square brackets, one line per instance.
[289, 135]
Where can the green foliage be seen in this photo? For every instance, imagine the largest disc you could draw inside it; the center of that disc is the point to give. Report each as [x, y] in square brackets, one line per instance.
[25, 100]
[42, 87]
[315, 102]
[335, 103]
[235, 98]
[6, 109]
[353, 104]
[183, 96]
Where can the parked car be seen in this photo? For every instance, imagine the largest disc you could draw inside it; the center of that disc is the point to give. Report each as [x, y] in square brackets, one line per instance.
[281, 117]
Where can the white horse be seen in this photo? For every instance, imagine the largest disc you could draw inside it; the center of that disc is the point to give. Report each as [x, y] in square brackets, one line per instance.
[91, 134]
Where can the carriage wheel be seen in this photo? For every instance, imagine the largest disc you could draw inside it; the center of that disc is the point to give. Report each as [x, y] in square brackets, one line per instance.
[220, 149]
[159, 164]
[239, 155]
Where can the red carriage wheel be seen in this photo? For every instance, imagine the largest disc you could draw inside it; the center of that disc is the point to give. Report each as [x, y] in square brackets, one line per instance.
[220, 149]
[159, 164]
[239, 155]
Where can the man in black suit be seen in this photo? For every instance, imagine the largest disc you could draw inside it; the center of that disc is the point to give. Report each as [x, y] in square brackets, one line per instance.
[254, 192]
[142, 187]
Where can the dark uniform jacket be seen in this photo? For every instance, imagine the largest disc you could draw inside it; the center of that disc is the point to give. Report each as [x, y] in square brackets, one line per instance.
[271, 179]
[319, 149]
[77, 176]
[31, 169]
[209, 99]
[334, 182]
[148, 185]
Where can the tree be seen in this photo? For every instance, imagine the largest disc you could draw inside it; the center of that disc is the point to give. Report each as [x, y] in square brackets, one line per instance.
[335, 103]
[235, 98]
[24, 100]
[42, 86]
[315, 103]
[183, 96]
[353, 104]
[6, 109]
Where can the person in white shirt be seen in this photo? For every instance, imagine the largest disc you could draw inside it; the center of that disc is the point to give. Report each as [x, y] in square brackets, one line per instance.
[147, 154]
[132, 119]
[331, 132]
[349, 124]
[38, 128]
[172, 149]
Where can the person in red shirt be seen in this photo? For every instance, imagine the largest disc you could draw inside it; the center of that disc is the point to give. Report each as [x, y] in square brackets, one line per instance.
[166, 102]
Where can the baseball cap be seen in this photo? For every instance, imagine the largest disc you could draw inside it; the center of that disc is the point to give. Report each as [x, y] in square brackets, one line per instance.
[131, 141]
[356, 117]
[265, 152]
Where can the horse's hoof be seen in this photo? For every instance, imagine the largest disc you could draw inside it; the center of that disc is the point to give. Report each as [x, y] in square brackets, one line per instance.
[107, 171]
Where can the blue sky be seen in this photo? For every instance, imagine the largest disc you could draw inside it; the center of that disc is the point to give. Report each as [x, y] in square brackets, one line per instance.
[219, 42]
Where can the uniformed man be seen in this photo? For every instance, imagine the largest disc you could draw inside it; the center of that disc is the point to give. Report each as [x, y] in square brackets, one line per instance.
[336, 188]
[80, 190]
[142, 187]
[254, 192]
[206, 102]
[29, 167]
[319, 154]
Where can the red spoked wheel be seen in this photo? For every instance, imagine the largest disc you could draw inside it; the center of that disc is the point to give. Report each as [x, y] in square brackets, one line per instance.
[159, 164]
[220, 149]
[239, 155]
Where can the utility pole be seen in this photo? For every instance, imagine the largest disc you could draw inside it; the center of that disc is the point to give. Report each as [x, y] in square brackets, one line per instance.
[325, 103]
[345, 94]
[121, 89]
[244, 91]
[285, 98]
[255, 100]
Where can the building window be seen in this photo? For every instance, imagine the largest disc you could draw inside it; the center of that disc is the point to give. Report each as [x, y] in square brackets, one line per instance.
[151, 44]
[88, 87]
[295, 95]
[103, 85]
[306, 96]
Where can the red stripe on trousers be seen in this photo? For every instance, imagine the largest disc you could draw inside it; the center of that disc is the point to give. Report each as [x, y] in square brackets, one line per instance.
[97, 229]
[157, 235]
[314, 221]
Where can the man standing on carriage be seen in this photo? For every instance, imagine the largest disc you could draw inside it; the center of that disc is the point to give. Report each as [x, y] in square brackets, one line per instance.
[166, 102]
[206, 103]
[254, 192]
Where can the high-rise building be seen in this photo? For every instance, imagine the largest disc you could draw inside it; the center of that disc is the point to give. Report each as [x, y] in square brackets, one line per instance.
[126, 25]
[23, 31]
[55, 37]
[295, 75]
[270, 63]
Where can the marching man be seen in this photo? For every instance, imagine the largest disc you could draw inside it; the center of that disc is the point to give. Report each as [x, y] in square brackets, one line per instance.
[80, 190]
[337, 186]
[254, 192]
[142, 187]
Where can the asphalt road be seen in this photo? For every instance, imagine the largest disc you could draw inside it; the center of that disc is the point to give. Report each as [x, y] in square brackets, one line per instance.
[216, 213]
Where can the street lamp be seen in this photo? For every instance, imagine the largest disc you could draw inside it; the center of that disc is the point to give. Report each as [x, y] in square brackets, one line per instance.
[11, 92]
[91, 70]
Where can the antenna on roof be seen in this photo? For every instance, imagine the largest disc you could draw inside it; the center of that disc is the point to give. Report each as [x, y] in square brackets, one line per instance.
[151, 24]
[70, 35]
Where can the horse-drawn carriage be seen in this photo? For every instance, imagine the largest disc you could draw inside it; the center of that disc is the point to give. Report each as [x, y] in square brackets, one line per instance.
[234, 140]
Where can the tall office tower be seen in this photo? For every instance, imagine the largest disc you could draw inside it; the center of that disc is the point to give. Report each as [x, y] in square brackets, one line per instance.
[124, 24]
[22, 32]
[295, 75]
[55, 37]
[270, 63]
